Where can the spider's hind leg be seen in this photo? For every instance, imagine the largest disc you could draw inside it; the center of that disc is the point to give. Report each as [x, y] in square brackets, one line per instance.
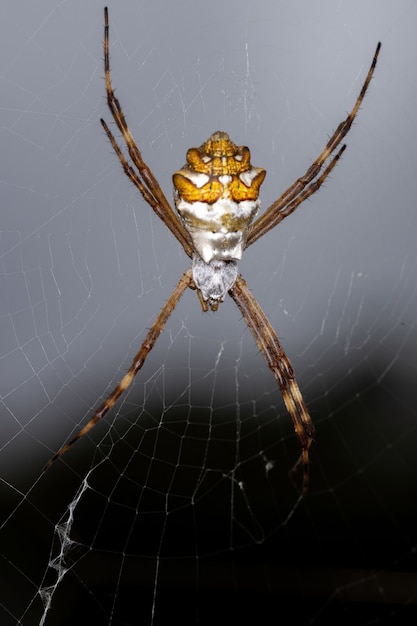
[279, 364]
[186, 281]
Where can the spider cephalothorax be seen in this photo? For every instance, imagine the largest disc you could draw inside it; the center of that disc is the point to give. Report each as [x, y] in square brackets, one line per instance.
[216, 195]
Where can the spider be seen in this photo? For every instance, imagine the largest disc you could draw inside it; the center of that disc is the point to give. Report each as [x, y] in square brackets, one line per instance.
[216, 197]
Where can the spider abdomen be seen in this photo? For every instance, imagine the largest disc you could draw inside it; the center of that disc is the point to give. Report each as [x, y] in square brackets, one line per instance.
[216, 195]
[218, 230]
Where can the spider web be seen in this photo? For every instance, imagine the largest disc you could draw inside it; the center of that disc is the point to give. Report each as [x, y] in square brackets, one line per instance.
[181, 505]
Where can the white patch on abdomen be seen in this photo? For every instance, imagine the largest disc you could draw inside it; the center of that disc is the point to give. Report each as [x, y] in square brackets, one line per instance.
[218, 230]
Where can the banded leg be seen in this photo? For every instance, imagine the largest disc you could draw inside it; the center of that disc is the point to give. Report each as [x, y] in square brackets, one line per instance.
[279, 209]
[143, 179]
[278, 362]
[157, 327]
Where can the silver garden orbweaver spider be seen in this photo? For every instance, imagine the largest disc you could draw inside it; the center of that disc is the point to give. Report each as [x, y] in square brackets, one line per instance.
[217, 201]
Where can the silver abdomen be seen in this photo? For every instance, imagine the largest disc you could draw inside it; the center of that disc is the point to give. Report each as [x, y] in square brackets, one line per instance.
[216, 196]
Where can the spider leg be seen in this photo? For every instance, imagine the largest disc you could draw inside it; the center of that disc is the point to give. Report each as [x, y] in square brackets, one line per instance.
[144, 180]
[185, 281]
[278, 362]
[308, 191]
[280, 208]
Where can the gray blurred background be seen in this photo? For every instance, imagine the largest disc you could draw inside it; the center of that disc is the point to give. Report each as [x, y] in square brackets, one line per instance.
[85, 266]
